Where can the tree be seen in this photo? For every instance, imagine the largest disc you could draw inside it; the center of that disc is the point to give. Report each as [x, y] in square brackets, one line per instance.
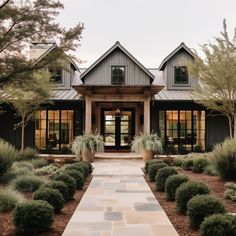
[26, 21]
[28, 98]
[217, 77]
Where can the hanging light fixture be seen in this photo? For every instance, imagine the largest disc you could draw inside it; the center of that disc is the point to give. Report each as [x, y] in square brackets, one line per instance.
[117, 109]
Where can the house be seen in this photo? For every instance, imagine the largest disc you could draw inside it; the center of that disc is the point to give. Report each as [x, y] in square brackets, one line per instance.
[119, 97]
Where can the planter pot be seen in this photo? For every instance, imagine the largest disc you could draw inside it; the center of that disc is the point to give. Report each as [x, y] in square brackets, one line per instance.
[147, 155]
[88, 156]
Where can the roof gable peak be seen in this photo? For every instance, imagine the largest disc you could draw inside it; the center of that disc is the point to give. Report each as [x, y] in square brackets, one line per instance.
[108, 52]
[174, 52]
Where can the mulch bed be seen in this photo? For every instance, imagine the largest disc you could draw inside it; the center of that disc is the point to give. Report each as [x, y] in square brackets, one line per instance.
[60, 220]
[181, 222]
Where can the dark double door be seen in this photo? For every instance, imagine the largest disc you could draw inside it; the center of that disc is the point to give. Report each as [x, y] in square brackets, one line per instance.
[118, 131]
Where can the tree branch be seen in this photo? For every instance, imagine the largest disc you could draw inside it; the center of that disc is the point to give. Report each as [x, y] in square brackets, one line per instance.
[4, 4]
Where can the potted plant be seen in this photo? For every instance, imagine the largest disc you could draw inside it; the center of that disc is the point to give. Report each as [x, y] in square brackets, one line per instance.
[86, 145]
[147, 144]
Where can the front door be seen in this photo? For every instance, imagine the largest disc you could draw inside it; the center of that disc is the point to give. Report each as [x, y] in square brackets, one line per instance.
[118, 131]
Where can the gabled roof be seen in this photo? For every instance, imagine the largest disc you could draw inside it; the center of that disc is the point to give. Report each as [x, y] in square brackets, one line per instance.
[50, 49]
[180, 47]
[114, 47]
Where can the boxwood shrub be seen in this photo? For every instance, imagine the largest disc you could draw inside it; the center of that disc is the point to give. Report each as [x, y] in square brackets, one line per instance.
[201, 206]
[60, 186]
[147, 163]
[188, 190]
[218, 225]
[27, 183]
[70, 183]
[84, 165]
[200, 164]
[172, 183]
[153, 169]
[77, 168]
[50, 195]
[33, 217]
[88, 164]
[187, 163]
[78, 176]
[162, 175]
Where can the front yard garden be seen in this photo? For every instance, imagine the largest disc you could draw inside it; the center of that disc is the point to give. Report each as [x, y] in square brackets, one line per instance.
[38, 196]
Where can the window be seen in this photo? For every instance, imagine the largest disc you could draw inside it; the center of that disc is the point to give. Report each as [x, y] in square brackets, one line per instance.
[56, 128]
[117, 75]
[181, 75]
[182, 128]
[56, 75]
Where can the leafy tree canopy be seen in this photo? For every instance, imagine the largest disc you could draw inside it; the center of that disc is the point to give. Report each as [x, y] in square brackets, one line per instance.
[23, 22]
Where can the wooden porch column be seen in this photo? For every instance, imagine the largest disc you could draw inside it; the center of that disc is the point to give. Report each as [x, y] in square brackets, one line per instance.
[88, 115]
[146, 116]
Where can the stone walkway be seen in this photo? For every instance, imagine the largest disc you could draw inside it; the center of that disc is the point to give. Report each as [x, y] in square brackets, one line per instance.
[119, 202]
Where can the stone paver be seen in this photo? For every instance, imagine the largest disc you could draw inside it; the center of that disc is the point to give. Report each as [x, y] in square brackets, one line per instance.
[119, 202]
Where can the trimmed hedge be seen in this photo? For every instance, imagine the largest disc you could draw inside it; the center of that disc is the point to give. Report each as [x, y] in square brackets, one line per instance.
[52, 196]
[202, 206]
[153, 169]
[70, 183]
[162, 175]
[147, 163]
[27, 183]
[61, 187]
[77, 168]
[172, 183]
[78, 176]
[33, 217]
[188, 190]
[199, 164]
[218, 225]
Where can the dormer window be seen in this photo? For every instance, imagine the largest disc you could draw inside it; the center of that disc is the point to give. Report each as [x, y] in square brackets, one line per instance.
[181, 75]
[56, 75]
[118, 75]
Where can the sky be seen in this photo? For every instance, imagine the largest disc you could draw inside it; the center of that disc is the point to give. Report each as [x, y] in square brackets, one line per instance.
[148, 29]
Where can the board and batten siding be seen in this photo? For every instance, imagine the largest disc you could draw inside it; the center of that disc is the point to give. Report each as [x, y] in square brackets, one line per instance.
[180, 59]
[101, 74]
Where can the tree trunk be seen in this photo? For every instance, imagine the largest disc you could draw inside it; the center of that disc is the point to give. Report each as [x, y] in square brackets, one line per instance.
[234, 127]
[230, 127]
[22, 136]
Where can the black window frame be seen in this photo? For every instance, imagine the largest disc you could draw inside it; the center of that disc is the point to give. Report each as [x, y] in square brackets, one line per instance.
[180, 75]
[117, 80]
[56, 72]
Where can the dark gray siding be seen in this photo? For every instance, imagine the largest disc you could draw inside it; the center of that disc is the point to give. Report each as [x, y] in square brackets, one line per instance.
[217, 128]
[13, 136]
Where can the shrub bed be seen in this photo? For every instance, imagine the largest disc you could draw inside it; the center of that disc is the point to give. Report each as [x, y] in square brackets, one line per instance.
[61, 187]
[46, 170]
[84, 165]
[39, 162]
[162, 175]
[26, 154]
[153, 169]
[186, 191]
[78, 176]
[187, 163]
[52, 196]
[27, 183]
[172, 183]
[77, 168]
[202, 206]
[218, 225]
[33, 217]
[70, 183]
[224, 159]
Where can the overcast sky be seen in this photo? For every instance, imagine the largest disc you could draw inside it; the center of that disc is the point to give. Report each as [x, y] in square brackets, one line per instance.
[148, 29]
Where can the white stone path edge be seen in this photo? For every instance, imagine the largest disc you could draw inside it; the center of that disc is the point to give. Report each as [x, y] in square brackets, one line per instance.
[119, 202]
